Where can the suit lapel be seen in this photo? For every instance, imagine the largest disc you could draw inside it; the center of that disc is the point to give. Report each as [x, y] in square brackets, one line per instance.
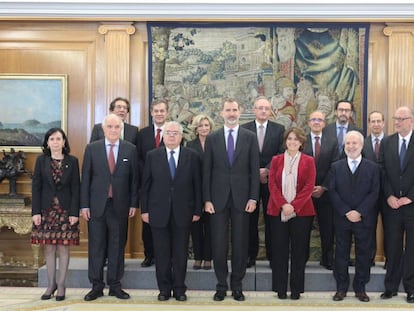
[239, 144]
[48, 170]
[410, 151]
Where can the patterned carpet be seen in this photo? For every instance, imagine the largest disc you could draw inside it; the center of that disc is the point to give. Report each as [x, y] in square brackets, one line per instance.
[25, 299]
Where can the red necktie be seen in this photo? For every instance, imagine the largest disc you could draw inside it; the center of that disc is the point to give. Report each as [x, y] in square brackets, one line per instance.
[317, 148]
[158, 138]
[377, 146]
[111, 163]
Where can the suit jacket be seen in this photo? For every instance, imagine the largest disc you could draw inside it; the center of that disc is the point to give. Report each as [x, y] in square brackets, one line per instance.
[329, 153]
[360, 195]
[96, 178]
[196, 146]
[241, 179]
[146, 142]
[368, 151]
[44, 188]
[397, 182]
[302, 203]
[273, 141]
[330, 131]
[164, 197]
[130, 133]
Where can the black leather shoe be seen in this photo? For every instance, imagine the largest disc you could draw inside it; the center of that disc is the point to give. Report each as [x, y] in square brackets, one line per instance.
[180, 297]
[410, 298]
[163, 296]
[92, 295]
[119, 293]
[295, 296]
[250, 262]
[238, 295]
[388, 294]
[362, 296]
[327, 266]
[281, 295]
[339, 296]
[148, 262]
[219, 295]
[48, 296]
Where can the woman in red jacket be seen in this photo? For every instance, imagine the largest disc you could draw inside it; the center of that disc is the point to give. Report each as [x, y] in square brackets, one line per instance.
[291, 182]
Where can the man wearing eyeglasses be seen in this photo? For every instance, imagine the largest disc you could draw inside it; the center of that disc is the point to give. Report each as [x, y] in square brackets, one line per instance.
[397, 161]
[270, 138]
[324, 149]
[171, 201]
[343, 110]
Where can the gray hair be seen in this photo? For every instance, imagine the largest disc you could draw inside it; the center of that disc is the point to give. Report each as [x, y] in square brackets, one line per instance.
[355, 133]
[174, 123]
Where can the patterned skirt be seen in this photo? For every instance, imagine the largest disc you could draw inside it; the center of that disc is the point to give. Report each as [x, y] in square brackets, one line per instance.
[55, 228]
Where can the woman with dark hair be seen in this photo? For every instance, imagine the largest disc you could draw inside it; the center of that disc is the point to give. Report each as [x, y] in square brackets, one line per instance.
[291, 182]
[55, 207]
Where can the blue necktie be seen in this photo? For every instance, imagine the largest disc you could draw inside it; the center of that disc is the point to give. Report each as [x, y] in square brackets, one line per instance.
[171, 164]
[341, 139]
[230, 147]
[403, 150]
[354, 166]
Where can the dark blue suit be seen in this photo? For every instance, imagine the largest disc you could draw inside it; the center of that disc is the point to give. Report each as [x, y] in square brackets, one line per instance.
[358, 191]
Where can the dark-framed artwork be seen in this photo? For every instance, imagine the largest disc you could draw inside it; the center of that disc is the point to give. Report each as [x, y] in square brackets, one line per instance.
[31, 104]
[300, 67]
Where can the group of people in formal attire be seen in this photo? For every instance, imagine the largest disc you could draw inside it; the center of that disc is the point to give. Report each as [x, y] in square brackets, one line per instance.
[210, 189]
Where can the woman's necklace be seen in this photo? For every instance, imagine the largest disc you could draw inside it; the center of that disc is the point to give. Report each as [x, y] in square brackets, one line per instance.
[292, 161]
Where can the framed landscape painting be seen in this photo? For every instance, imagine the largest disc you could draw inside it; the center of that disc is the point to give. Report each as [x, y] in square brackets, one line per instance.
[30, 105]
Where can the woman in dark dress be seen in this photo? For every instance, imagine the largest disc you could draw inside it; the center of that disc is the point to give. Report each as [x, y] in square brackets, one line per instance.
[200, 233]
[55, 207]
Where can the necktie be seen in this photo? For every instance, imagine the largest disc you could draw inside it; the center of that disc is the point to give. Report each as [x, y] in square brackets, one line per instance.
[317, 148]
[354, 166]
[402, 153]
[158, 138]
[260, 137]
[111, 164]
[171, 163]
[376, 148]
[341, 139]
[230, 147]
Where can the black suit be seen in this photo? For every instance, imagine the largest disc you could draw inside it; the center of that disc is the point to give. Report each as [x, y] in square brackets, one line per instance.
[272, 145]
[130, 133]
[358, 191]
[146, 142]
[229, 187]
[44, 188]
[324, 210]
[399, 183]
[200, 231]
[171, 204]
[109, 217]
[330, 131]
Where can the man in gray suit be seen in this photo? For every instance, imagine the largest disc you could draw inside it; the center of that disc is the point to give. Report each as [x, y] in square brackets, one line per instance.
[230, 193]
[109, 195]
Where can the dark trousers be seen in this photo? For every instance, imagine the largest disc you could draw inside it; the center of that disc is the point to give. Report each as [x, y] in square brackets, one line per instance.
[219, 223]
[147, 240]
[201, 237]
[171, 250]
[253, 248]
[362, 233]
[293, 235]
[324, 213]
[399, 223]
[107, 232]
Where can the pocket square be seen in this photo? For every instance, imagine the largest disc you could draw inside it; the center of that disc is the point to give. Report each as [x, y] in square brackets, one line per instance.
[125, 160]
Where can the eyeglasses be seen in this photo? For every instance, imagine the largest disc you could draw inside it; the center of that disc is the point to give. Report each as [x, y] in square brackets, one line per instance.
[262, 108]
[344, 110]
[172, 133]
[317, 120]
[120, 107]
[400, 119]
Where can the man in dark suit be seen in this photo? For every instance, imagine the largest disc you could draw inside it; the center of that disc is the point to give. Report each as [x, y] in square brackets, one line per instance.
[371, 152]
[324, 149]
[230, 193]
[343, 110]
[149, 138]
[109, 195]
[170, 203]
[354, 188]
[270, 139]
[397, 162]
[119, 106]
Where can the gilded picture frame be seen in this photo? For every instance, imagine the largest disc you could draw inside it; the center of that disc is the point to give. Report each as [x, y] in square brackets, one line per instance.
[31, 104]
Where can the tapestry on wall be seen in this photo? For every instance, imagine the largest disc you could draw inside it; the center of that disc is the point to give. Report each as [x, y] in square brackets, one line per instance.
[299, 67]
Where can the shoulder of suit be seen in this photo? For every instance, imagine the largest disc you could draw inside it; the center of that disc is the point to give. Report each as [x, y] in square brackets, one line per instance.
[131, 126]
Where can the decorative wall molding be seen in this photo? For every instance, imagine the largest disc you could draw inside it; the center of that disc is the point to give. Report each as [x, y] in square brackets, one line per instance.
[156, 10]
